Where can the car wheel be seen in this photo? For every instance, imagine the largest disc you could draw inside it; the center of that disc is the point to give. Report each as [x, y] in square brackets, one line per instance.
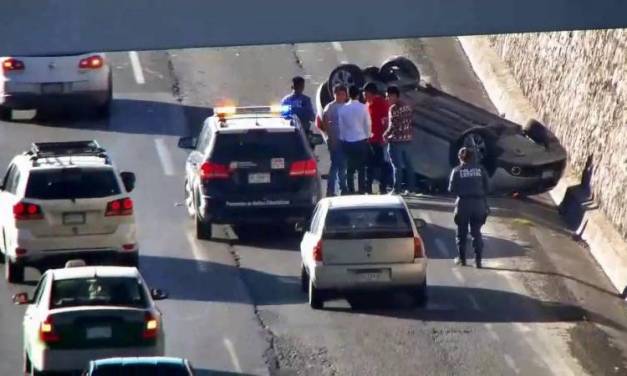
[399, 67]
[323, 97]
[347, 75]
[481, 141]
[104, 110]
[203, 229]
[420, 294]
[304, 278]
[316, 300]
[131, 260]
[6, 113]
[13, 272]
[537, 132]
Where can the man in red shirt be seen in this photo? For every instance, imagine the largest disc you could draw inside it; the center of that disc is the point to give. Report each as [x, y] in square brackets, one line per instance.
[378, 168]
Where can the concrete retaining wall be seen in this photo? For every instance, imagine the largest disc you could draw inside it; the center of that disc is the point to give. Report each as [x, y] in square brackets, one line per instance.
[577, 82]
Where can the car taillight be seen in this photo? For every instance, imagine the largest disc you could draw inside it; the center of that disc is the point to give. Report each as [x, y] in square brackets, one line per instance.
[123, 206]
[418, 248]
[26, 211]
[151, 326]
[12, 65]
[211, 170]
[304, 168]
[46, 331]
[317, 252]
[92, 62]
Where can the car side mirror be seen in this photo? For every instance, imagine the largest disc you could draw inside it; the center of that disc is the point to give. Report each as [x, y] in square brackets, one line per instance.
[128, 178]
[187, 143]
[420, 223]
[21, 298]
[158, 294]
[315, 139]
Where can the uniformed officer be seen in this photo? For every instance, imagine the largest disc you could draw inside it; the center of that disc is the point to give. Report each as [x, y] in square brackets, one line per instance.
[469, 182]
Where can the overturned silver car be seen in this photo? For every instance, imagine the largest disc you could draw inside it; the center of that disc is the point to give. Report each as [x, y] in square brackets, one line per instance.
[519, 159]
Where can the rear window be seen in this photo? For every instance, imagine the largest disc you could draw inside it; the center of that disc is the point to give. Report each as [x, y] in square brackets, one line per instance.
[113, 291]
[367, 222]
[258, 145]
[72, 183]
[141, 370]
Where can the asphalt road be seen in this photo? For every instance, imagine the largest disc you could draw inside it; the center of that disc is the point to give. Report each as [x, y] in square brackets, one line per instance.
[541, 306]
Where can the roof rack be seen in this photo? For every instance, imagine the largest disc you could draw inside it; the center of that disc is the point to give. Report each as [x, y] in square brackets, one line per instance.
[67, 149]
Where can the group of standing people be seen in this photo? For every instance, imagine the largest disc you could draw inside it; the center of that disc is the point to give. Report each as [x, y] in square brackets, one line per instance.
[373, 140]
[370, 140]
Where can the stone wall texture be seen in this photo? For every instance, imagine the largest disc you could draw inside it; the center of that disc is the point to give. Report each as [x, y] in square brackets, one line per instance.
[577, 82]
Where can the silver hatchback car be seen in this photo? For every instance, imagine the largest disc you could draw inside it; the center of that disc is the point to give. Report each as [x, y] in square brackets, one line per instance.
[362, 243]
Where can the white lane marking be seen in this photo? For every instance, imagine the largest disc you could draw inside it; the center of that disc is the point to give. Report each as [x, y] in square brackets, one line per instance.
[523, 328]
[441, 246]
[474, 303]
[137, 67]
[164, 156]
[458, 275]
[198, 255]
[492, 332]
[510, 362]
[231, 349]
[341, 55]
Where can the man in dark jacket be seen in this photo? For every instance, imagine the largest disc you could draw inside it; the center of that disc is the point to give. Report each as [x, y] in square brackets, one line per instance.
[469, 182]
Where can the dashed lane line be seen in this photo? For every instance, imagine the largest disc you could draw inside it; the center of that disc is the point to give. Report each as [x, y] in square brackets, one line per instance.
[137, 67]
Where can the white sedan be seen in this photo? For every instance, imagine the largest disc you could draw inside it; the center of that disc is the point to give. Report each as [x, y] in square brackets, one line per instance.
[362, 243]
[79, 314]
[30, 82]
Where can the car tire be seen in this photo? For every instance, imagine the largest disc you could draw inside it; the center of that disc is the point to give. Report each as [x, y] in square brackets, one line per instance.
[347, 75]
[420, 294]
[131, 260]
[13, 272]
[323, 97]
[537, 132]
[203, 229]
[6, 113]
[372, 73]
[304, 279]
[403, 65]
[316, 300]
[481, 138]
[104, 110]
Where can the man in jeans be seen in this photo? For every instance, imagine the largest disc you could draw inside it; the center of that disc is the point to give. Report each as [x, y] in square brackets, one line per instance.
[377, 167]
[399, 135]
[355, 130]
[330, 125]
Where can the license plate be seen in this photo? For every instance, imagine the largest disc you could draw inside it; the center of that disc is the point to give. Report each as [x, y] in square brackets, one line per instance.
[277, 163]
[548, 174]
[74, 218]
[372, 276]
[260, 178]
[99, 332]
[52, 88]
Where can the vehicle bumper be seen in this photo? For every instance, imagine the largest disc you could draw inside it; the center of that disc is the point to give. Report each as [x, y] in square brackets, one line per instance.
[51, 251]
[255, 212]
[345, 278]
[78, 360]
[21, 96]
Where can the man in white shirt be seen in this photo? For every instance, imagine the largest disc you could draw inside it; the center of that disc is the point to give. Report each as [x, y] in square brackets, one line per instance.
[355, 130]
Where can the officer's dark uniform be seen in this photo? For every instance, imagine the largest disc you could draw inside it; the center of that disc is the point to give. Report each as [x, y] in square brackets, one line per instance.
[469, 181]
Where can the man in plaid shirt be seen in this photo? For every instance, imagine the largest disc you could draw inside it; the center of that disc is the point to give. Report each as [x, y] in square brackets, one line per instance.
[399, 136]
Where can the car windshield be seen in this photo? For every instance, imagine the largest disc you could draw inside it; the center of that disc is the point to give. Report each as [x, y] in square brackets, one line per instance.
[113, 291]
[72, 183]
[258, 145]
[141, 370]
[370, 222]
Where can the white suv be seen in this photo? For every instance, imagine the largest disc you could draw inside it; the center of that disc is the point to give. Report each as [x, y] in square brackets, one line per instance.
[65, 200]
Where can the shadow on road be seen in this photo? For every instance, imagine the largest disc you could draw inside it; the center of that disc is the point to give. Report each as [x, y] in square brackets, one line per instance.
[208, 372]
[195, 280]
[474, 305]
[128, 116]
